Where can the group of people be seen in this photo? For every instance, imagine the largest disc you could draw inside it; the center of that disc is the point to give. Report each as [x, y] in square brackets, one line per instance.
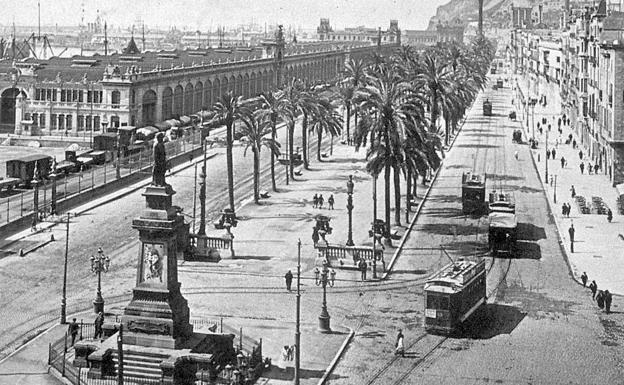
[74, 328]
[590, 168]
[565, 209]
[603, 297]
[318, 200]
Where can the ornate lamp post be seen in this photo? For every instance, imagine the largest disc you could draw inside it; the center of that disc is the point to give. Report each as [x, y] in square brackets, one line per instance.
[350, 209]
[323, 278]
[99, 264]
[35, 183]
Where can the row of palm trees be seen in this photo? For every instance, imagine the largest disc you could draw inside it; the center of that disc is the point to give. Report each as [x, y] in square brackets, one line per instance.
[396, 102]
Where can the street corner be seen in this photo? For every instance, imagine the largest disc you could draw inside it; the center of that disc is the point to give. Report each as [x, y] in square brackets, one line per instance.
[320, 353]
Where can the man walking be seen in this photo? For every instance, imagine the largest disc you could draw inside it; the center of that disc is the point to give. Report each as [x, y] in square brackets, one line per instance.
[582, 167]
[399, 347]
[584, 278]
[331, 201]
[73, 331]
[594, 288]
[288, 277]
[320, 201]
[315, 201]
[608, 298]
[554, 154]
[563, 161]
[571, 231]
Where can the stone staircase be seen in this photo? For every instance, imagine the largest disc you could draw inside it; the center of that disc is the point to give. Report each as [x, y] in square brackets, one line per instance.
[143, 363]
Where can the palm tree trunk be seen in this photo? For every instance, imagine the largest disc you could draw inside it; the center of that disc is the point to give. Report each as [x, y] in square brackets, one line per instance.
[273, 137]
[387, 197]
[408, 195]
[230, 163]
[397, 196]
[415, 192]
[256, 174]
[318, 144]
[348, 123]
[291, 139]
[434, 111]
[446, 130]
[304, 141]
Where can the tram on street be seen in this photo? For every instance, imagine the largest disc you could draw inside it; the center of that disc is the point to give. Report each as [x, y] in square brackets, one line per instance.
[502, 231]
[453, 294]
[473, 193]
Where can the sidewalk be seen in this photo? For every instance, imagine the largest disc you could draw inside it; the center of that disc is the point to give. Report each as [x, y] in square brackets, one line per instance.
[597, 243]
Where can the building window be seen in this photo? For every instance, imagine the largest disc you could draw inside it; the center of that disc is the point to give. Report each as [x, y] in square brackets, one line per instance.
[81, 96]
[81, 122]
[96, 123]
[88, 121]
[42, 121]
[115, 99]
[63, 95]
[53, 120]
[68, 121]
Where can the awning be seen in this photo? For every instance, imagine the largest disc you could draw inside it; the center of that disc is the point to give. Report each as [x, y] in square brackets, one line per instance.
[84, 160]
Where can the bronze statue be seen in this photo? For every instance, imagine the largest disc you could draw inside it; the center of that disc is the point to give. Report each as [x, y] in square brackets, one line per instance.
[160, 162]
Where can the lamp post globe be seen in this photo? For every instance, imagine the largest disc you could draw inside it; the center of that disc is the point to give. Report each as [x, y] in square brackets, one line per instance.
[350, 210]
[323, 278]
[99, 264]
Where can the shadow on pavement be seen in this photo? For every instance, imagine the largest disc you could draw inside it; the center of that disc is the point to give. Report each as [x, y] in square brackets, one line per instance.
[530, 232]
[476, 145]
[446, 212]
[491, 320]
[444, 198]
[498, 177]
[524, 189]
[447, 229]
[527, 250]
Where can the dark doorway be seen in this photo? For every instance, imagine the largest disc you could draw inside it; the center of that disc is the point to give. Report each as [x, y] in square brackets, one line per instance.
[7, 109]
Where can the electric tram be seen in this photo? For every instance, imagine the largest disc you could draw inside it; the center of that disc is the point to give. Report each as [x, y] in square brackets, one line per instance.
[473, 193]
[453, 294]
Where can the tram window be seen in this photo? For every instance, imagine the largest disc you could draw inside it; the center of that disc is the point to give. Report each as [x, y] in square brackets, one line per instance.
[437, 302]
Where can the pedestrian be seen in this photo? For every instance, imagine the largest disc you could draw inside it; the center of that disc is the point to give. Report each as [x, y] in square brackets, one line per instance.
[590, 168]
[549, 127]
[291, 353]
[516, 155]
[315, 235]
[538, 126]
[399, 346]
[541, 130]
[594, 288]
[548, 154]
[582, 167]
[609, 215]
[568, 121]
[600, 298]
[191, 157]
[553, 152]
[572, 191]
[568, 210]
[320, 201]
[608, 298]
[281, 362]
[571, 232]
[581, 154]
[564, 117]
[330, 202]
[563, 209]
[584, 278]
[315, 201]
[559, 123]
[563, 162]
[99, 321]
[288, 277]
[72, 329]
[363, 266]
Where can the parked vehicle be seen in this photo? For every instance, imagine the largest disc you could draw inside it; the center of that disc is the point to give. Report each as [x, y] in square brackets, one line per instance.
[24, 168]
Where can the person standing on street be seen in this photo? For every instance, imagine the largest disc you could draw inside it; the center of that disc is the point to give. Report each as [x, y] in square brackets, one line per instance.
[73, 331]
[582, 167]
[399, 346]
[320, 201]
[315, 201]
[98, 323]
[330, 201]
[288, 277]
[584, 278]
[594, 288]
[563, 161]
[571, 231]
[600, 299]
[608, 298]
[547, 153]
[609, 215]
[554, 152]
[572, 191]
[363, 266]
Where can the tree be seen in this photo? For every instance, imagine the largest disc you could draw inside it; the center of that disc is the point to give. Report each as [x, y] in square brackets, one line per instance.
[255, 130]
[355, 77]
[274, 107]
[298, 102]
[227, 112]
[325, 119]
[434, 77]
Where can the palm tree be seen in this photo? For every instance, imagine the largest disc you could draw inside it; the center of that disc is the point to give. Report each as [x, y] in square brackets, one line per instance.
[275, 108]
[434, 78]
[346, 95]
[394, 115]
[326, 119]
[255, 130]
[298, 102]
[227, 112]
[355, 77]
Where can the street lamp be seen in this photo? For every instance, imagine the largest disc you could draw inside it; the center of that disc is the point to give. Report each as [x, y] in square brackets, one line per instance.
[324, 278]
[99, 264]
[350, 210]
[35, 183]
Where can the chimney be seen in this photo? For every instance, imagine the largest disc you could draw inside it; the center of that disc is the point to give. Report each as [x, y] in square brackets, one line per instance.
[539, 14]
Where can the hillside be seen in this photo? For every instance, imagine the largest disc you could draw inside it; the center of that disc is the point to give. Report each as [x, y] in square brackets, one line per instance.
[467, 10]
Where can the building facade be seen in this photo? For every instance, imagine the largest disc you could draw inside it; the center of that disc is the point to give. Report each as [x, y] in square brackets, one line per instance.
[585, 62]
[82, 95]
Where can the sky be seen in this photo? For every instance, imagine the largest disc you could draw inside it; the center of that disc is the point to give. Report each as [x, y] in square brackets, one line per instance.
[205, 14]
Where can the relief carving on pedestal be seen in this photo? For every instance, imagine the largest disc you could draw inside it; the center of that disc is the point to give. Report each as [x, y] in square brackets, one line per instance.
[148, 327]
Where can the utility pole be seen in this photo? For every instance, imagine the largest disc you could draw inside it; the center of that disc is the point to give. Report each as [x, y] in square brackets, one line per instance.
[64, 296]
[297, 330]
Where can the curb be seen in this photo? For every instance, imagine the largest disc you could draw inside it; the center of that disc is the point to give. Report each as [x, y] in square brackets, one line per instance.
[420, 205]
[337, 357]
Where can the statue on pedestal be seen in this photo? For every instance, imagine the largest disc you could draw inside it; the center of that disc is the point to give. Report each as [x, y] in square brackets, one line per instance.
[160, 162]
